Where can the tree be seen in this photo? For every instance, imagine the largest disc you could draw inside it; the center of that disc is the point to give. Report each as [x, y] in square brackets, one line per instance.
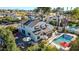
[41, 46]
[75, 45]
[8, 18]
[53, 23]
[44, 47]
[75, 13]
[49, 48]
[44, 9]
[9, 40]
[11, 28]
[58, 9]
[33, 48]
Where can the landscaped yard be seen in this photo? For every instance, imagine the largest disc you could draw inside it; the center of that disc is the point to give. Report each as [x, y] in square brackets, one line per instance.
[37, 30]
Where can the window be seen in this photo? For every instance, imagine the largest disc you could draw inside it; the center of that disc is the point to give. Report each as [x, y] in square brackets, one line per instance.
[38, 37]
[44, 33]
[15, 31]
[29, 34]
[23, 31]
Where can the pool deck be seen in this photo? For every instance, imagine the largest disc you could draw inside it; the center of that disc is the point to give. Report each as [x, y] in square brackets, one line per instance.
[53, 37]
[50, 41]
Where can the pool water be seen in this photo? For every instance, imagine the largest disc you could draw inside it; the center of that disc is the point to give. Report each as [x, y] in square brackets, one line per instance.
[63, 38]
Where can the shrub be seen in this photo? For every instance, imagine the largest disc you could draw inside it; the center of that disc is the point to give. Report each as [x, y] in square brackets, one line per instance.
[75, 45]
[11, 28]
[9, 40]
[41, 47]
[52, 22]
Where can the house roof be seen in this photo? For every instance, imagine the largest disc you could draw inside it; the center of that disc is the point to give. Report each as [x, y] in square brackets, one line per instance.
[47, 29]
[33, 23]
[28, 22]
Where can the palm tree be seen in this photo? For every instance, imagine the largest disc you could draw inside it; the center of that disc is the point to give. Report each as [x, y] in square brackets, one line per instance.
[59, 11]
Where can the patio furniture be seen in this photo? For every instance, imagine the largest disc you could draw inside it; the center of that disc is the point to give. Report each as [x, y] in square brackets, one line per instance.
[64, 44]
[37, 28]
[26, 39]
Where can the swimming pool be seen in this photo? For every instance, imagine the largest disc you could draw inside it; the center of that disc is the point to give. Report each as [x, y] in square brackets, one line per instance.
[63, 41]
[63, 38]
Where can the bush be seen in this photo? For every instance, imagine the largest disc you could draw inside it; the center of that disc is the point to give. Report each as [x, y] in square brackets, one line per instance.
[49, 48]
[9, 20]
[75, 45]
[11, 28]
[73, 23]
[53, 23]
[33, 48]
[41, 47]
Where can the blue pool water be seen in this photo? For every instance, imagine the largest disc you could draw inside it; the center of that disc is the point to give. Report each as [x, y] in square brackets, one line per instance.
[63, 38]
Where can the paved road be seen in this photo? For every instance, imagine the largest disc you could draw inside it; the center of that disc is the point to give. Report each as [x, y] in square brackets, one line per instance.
[15, 25]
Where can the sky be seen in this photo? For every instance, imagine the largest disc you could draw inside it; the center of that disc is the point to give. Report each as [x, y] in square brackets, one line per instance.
[20, 8]
[31, 4]
[28, 8]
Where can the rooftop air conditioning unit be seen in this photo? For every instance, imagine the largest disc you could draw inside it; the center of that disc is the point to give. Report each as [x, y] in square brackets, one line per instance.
[37, 28]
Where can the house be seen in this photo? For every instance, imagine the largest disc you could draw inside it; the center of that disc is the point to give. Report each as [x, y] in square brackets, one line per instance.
[73, 29]
[8, 14]
[1, 15]
[19, 17]
[36, 29]
[21, 40]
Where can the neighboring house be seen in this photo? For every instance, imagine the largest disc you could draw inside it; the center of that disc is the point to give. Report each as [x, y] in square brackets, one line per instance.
[13, 15]
[72, 29]
[19, 17]
[36, 29]
[1, 15]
